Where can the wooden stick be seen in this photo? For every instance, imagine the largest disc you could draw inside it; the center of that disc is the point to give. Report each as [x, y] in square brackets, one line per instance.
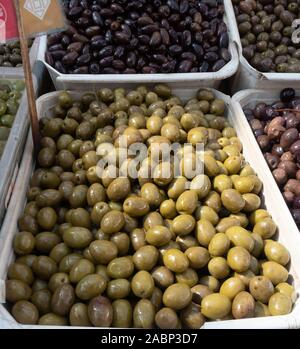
[28, 79]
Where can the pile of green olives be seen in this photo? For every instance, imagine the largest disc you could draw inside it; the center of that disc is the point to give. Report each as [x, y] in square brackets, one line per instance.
[10, 54]
[146, 252]
[267, 29]
[10, 94]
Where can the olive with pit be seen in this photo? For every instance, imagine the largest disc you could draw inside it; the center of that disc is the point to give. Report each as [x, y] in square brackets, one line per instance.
[22, 272]
[238, 259]
[62, 300]
[79, 315]
[280, 304]
[103, 251]
[17, 290]
[100, 312]
[122, 313]
[243, 305]
[25, 312]
[118, 288]
[118, 189]
[145, 258]
[142, 284]
[231, 287]
[162, 277]
[112, 222]
[219, 245]
[187, 202]
[232, 200]
[261, 288]
[120, 268]
[191, 316]
[176, 260]
[177, 296]
[159, 235]
[218, 267]
[136, 206]
[276, 252]
[42, 300]
[215, 306]
[143, 314]
[80, 269]
[198, 256]
[77, 237]
[166, 318]
[275, 272]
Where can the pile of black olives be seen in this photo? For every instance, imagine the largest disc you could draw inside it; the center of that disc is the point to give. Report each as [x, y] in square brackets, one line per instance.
[276, 127]
[144, 252]
[140, 36]
[266, 30]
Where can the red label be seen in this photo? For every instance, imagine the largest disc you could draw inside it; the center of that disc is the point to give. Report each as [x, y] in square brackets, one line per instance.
[8, 21]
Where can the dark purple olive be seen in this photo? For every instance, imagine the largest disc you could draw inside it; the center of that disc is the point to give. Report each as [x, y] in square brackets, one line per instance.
[258, 132]
[84, 59]
[59, 67]
[58, 54]
[289, 197]
[97, 19]
[259, 110]
[292, 121]
[296, 216]
[289, 137]
[49, 58]
[295, 147]
[287, 94]
[277, 150]
[185, 66]
[218, 65]
[224, 40]
[106, 61]
[290, 168]
[264, 142]
[94, 68]
[280, 176]
[256, 124]
[269, 113]
[56, 47]
[204, 67]
[272, 160]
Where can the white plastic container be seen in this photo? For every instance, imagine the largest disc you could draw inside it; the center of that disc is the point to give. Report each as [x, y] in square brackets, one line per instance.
[9, 162]
[249, 99]
[248, 77]
[175, 80]
[19, 72]
[288, 232]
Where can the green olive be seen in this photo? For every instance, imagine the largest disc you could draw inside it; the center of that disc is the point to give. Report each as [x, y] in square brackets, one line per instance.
[22, 272]
[198, 257]
[276, 252]
[122, 313]
[183, 224]
[158, 236]
[280, 304]
[62, 300]
[215, 306]
[219, 245]
[58, 279]
[145, 258]
[120, 268]
[25, 312]
[243, 305]
[162, 277]
[238, 259]
[205, 231]
[232, 200]
[218, 267]
[143, 314]
[261, 288]
[166, 318]
[79, 315]
[239, 236]
[275, 272]
[177, 296]
[142, 284]
[176, 261]
[188, 277]
[42, 300]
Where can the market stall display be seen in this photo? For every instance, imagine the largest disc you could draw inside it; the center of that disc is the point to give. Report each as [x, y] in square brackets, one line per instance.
[172, 41]
[227, 261]
[275, 127]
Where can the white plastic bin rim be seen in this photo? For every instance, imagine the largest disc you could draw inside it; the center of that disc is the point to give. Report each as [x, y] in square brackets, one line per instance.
[290, 237]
